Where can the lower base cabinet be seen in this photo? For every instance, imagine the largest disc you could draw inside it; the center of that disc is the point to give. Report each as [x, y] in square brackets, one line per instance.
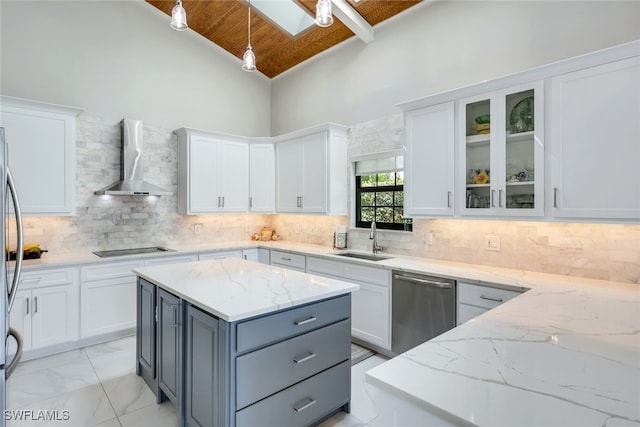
[280, 369]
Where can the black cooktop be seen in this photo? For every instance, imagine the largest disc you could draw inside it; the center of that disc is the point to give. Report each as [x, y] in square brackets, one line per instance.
[133, 251]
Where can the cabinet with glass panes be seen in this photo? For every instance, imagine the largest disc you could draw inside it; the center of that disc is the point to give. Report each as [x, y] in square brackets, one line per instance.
[500, 151]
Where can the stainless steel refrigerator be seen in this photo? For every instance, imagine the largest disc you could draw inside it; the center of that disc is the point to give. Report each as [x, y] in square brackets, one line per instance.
[10, 216]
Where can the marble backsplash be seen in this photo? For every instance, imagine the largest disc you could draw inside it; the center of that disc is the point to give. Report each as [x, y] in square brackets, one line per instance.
[603, 251]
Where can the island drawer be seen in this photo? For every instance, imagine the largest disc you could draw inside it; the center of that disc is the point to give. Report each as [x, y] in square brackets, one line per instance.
[287, 259]
[290, 361]
[302, 404]
[270, 329]
[483, 296]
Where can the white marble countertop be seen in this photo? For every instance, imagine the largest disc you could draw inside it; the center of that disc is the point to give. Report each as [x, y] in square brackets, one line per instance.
[561, 354]
[234, 289]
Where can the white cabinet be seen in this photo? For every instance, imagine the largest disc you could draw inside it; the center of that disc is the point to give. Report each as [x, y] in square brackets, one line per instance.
[297, 262]
[473, 300]
[220, 255]
[311, 171]
[108, 297]
[262, 178]
[501, 152]
[429, 161]
[41, 151]
[171, 259]
[250, 254]
[45, 310]
[370, 305]
[594, 142]
[213, 172]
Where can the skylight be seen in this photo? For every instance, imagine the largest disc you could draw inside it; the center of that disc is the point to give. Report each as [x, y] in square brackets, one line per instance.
[286, 14]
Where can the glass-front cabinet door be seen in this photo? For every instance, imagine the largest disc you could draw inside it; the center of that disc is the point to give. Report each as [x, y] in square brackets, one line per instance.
[501, 152]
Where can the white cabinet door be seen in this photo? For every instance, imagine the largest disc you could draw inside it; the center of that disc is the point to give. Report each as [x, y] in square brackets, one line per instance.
[20, 320]
[262, 178]
[429, 162]
[108, 306]
[370, 315]
[220, 255]
[41, 154]
[501, 159]
[314, 173]
[55, 315]
[203, 175]
[233, 176]
[108, 297]
[594, 144]
[250, 254]
[288, 176]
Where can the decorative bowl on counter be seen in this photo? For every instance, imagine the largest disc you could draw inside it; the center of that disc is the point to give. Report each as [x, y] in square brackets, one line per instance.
[32, 251]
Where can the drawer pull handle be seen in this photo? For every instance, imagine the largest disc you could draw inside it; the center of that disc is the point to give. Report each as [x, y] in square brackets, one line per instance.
[304, 322]
[30, 281]
[491, 299]
[310, 403]
[304, 358]
[285, 259]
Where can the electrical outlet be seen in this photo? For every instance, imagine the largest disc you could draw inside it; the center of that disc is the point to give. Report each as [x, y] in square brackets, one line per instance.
[197, 229]
[492, 243]
[428, 238]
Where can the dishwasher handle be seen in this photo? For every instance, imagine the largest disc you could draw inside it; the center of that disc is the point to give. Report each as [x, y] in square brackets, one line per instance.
[433, 283]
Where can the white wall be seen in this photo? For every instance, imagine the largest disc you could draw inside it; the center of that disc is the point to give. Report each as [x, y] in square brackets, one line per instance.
[121, 59]
[435, 47]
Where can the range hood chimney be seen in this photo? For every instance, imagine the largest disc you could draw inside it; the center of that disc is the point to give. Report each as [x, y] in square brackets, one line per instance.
[131, 181]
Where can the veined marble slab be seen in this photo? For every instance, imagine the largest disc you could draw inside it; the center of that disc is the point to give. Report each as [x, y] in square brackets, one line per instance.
[561, 354]
[234, 289]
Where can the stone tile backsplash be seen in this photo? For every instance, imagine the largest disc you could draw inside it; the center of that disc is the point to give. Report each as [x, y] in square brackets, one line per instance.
[603, 251]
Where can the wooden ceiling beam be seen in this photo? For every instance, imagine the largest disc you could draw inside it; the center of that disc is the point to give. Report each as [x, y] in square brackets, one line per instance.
[353, 20]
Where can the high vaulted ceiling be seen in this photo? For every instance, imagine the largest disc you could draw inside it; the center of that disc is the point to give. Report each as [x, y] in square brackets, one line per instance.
[224, 22]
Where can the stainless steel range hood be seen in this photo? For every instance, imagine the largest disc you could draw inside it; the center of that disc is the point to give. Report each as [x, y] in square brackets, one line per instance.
[131, 181]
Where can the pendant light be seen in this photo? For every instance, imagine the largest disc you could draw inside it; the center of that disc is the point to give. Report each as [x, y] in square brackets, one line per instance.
[249, 59]
[178, 17]
[324, 17]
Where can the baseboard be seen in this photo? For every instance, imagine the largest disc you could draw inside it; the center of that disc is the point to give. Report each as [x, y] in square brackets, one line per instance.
[73, 345]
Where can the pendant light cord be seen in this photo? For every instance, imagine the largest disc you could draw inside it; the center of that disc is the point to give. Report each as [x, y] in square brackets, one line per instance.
[249, 23]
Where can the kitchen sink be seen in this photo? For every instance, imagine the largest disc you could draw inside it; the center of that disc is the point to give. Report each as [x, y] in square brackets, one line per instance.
[369, 257]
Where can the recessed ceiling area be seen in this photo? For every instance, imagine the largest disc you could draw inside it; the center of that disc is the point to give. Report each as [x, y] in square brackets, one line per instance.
[276, 47]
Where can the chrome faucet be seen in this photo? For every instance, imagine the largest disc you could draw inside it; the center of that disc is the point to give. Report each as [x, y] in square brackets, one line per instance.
[373, 235]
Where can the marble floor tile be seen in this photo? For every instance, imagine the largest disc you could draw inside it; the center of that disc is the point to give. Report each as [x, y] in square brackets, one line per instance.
[86, 407]
[52, 361]
[110, 347]
[114, 422]
[163, 415]
[99, 387]
[128, 393]
[38, 386]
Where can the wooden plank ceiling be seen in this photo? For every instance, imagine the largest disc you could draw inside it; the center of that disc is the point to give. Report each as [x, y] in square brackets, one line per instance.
[224, 22]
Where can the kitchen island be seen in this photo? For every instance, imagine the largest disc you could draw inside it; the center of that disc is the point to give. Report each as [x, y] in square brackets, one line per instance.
[235, 343]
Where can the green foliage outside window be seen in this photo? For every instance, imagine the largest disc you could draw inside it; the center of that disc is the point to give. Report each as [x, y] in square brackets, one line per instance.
[380, 198]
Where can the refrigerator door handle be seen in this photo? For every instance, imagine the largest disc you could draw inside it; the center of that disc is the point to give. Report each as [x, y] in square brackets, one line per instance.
[11, 366]
[20, 241]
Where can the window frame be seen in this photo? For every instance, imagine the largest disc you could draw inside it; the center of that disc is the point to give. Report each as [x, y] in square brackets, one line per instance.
[359, 190]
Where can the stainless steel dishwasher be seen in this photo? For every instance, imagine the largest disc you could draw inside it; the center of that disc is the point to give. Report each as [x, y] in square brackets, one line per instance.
[422, 307]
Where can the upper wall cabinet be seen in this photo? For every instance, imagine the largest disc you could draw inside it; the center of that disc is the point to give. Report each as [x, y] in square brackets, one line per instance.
[594, 142]
[311, 171]
[262, 177]
[41, 154]
[501, 152]
[429, 161]
[213, 172]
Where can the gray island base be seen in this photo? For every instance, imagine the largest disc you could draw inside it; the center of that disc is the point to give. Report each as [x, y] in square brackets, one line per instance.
[286, 367]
